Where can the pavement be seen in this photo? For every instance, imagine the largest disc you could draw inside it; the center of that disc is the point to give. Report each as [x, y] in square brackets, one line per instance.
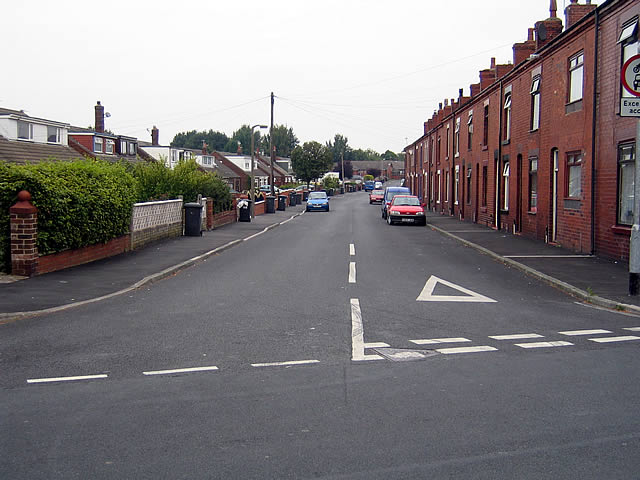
[589, 278]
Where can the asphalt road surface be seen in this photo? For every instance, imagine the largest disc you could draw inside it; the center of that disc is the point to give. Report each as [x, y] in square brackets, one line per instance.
[335, 346]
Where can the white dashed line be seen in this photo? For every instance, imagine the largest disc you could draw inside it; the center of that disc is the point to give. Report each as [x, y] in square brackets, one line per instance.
[543, 344]
[517, 336]
[584, 332]
[481, 348]
[633, 329]
[357, 334]
[431, 341]
[376, 345]
[65, 379]
[180, 370]
[352, 249]
[614, 339]
[352, 272]
[285, 364]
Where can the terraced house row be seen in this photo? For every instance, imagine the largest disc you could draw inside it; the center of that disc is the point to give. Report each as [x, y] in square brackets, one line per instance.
[539, 147]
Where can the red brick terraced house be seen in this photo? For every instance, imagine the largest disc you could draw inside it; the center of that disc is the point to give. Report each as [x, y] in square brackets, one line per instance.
[538, 148]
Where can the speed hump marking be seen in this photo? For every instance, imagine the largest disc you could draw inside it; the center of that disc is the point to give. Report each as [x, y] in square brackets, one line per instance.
[470, 296]
[630, 75]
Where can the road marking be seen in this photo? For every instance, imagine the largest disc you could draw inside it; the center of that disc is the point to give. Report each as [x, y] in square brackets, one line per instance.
[481, 348]
[614, 339]
[65, 379]
[376, 345]
[516, 336]
[352, 249]
[427, 293]
[180, 370]
[633, 329]
[285, 364]
[584, 332]
[548, 256]
[470, 231]
[256, 234]
[352, 272]
[430, 341]
[357, 334]
[543, 344]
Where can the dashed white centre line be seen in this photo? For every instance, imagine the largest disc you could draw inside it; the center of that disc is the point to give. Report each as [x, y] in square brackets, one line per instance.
[614, 339]
[285, 364]
[543, 344]
[357, 334]
[584, 332]
[181, 370]
[66, 379]
[517, 336]
[352, 249]
[633, 329]
[480, 348]
[352, 272]
[431, 341]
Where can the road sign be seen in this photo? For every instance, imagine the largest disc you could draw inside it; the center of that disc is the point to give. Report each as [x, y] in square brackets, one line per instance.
[630, 78]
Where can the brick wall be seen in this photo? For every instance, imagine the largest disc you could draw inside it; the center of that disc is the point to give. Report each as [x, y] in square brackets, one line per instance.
[71, 258]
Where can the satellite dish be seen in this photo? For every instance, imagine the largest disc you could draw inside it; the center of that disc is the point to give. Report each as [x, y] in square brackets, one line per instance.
[542, 32]
[107, 114]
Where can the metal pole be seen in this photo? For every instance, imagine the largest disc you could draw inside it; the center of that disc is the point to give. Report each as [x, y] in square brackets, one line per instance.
[634, 247]
[271, 152]
[343, 179]
[253, 180]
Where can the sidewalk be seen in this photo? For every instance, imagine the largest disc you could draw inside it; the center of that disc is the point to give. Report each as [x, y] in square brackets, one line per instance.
[596, 280]
[113, 276]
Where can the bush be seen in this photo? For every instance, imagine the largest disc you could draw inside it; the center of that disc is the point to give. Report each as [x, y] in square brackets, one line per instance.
[331, 182]
[79, 203]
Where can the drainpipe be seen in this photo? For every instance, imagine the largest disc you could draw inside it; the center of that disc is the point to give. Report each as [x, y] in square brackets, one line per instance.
[593, 135]
[499, 165]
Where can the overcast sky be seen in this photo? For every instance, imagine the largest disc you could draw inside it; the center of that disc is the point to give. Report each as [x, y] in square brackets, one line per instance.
[371, 70]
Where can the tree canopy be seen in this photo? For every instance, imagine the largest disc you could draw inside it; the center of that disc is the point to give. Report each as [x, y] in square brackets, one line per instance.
[284, 140]
[195, 139]
[311, 161]
[242, 136]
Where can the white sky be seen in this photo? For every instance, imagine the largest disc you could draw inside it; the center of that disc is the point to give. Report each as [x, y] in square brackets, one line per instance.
[371, 70]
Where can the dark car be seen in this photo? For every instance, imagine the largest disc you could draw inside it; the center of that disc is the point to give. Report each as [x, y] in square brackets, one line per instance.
[406, 209]
[376, 196]
[389, 193]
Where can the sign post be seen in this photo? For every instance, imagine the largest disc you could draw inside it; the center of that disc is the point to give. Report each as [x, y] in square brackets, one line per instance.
[630, 107]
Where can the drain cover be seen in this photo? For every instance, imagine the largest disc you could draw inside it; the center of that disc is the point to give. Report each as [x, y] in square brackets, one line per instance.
[404, 354]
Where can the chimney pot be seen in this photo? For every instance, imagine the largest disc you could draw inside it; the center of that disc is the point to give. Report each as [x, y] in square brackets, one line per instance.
[493, 62]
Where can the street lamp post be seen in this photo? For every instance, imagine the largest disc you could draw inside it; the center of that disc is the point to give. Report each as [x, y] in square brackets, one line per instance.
[253, 166]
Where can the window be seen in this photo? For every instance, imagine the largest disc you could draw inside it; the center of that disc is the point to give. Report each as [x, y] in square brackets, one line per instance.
[439, 187]
[25, 130]
[626, 176]
[470, 130]
[53, 134]
[109, 145]
[456, 185]
[505, 186]
[174, 156]
[535, 103]
[446, 154]
[629, 41]
[456, 139]
[446, 179]
[576, 67]
[484, 185]
[507, 116]
[439, 150]
[574, 175]
[485, 133]
[469, 184]
[97, 145]
[123, 147]
[533, 184]
[132, 148]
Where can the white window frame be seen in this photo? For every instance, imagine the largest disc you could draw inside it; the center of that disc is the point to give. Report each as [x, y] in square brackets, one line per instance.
[507, 116]
[574, 163]
[132, 148]
[29, 132]
[533, 192]
[505, 185]
[439, 181]
[576, 77]
[56, 134]
[97, 142]
[123, 147]
[446, 177]
[625, 190]
[535, 103]
[470, 130]
[109, 146]
[456, 185]
[456, 138]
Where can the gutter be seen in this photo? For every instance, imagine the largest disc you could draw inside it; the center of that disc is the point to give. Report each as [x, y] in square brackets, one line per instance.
[593, 132]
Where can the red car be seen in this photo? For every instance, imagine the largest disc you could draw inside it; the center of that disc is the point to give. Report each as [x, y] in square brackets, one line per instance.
[406, 209]
[376, 196]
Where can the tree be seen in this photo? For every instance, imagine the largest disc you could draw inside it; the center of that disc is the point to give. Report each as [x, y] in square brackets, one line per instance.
[348, 169]
[311, 161]
[242, 136]
[375, 172]
[339, 147]
[195, 139]
[389, 156]
[284, 140]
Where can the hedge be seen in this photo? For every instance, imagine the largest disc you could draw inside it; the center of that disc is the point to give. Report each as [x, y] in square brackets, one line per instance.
[79, 203]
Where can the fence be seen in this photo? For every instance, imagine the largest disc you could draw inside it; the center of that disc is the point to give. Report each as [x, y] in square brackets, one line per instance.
[151, 221]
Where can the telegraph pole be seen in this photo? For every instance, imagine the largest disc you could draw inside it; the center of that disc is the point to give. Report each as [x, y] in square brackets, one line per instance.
[271, 152]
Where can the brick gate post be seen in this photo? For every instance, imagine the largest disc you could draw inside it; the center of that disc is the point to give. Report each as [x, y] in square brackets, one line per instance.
[24, 232]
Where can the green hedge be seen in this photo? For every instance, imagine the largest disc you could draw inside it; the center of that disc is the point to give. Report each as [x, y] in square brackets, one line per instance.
[79, 203]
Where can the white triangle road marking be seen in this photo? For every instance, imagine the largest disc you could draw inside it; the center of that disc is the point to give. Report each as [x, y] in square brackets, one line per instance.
[427, 293]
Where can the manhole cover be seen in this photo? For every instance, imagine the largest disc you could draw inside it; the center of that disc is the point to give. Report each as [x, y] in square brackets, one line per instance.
[404, 354]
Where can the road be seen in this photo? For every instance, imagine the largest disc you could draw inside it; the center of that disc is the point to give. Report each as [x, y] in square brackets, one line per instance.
[334, 346]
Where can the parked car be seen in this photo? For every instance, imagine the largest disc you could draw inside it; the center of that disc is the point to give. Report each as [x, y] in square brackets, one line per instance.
[300, 188]
[369, 185]
[406, 209]
[389, 193]
[318, 201]
[376, 196]
[267, 189]
[377, 185]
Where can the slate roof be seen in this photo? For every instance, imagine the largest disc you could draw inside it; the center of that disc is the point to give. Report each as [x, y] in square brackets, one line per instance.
[19, 151]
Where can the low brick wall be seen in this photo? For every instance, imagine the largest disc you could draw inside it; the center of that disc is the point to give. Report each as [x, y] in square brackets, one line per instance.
[223, 218]
[153, 221]
[71, 258]
[260, 208]
[149, 235]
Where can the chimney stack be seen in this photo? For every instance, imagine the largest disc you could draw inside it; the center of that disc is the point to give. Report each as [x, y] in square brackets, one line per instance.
[576, 12]
[99, 123]
[155, 136]
[547, 30]
[522, 51]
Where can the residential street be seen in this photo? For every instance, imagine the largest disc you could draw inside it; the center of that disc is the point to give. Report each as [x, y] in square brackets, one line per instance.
[334, 346]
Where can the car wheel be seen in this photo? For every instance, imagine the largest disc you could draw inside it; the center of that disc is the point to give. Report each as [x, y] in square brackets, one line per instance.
[389, 222]
[327, 209]
[383, 214]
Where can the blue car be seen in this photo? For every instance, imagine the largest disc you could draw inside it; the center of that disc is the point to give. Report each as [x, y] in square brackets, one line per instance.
[317, 201]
